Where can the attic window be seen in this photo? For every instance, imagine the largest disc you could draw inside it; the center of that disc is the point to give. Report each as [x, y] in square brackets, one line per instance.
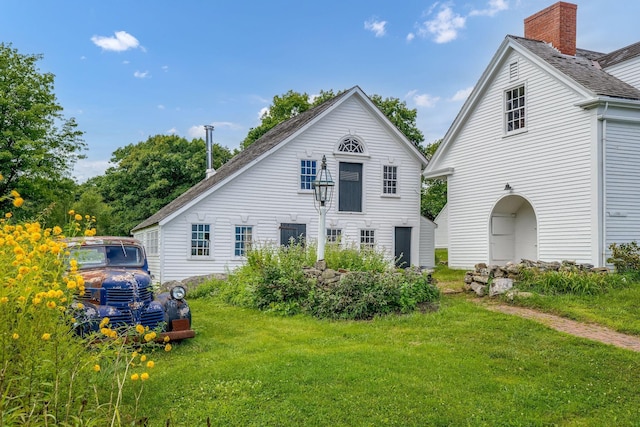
[514, 110]
[513, 71]
[351, 144]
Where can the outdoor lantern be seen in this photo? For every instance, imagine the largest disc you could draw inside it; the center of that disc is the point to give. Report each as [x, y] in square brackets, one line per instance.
[323, 185]
[323, 192]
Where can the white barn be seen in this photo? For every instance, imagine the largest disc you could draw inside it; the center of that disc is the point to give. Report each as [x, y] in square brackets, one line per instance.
[264, 194]
[441, 237]
[542, 160]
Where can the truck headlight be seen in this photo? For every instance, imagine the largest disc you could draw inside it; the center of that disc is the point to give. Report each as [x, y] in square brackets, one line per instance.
[178, 292]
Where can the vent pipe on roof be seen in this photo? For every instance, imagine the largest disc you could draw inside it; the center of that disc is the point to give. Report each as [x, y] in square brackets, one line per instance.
[209, 139]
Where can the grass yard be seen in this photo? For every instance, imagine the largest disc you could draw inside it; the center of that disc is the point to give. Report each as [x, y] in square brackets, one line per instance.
[461, 365]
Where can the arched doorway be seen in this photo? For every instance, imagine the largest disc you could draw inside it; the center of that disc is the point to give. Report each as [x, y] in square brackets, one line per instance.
[513, 231]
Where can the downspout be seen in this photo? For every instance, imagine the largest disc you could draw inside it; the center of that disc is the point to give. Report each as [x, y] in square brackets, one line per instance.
[603, 214]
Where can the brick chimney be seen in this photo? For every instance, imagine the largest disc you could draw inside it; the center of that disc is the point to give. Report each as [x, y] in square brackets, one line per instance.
[556, 25]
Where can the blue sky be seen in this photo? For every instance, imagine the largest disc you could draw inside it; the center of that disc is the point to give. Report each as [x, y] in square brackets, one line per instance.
[127, 70]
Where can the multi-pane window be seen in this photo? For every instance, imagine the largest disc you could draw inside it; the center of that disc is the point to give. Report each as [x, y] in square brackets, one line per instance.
[200, 240]
[333, 235]
[367, 238]
[515, 109]
[243, 240]
[307, 174]
[390, 180]
[351, 144]
[152, 242]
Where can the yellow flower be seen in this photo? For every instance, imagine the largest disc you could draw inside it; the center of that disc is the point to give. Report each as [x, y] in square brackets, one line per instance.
[80, 306]
[150, 364]
[46, 336]
[57, 230]
[90, 232]
[18, 201]
[134, 354]
[105, 331]
[96, 368]
[71, 212]
[135, 377]
[104, 322]
[4, 300]
[37, 300]
[144, 376]
[167, 347]
[71, 284]
[150, 336]
[143, 358]
[8, 215]
[14, 193]
[140, 329]
[78, 217]
[51, 304]
[166, 338]
[15, 336]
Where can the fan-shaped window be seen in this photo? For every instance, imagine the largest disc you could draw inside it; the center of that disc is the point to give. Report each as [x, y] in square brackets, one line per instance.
[351, 144]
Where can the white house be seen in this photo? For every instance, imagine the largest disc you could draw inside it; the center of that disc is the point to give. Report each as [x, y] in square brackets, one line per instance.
[264, 194]
[542, 162]
[441, 237]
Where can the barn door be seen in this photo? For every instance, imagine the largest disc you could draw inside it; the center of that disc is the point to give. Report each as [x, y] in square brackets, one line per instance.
[350, 187]
[402, 251]
[291, 232]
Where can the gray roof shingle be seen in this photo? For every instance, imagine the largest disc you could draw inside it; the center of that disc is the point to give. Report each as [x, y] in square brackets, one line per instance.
[585, 68]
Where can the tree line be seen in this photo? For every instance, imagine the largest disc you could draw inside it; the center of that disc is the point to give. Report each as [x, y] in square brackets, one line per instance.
[39, 147]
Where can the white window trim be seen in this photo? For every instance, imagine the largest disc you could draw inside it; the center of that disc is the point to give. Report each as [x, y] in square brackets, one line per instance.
[365, 149]
[367, 245]
[211, 243]
[304, 190]
[148, 240]
[524, 129]
[233, 239]
[395, 195]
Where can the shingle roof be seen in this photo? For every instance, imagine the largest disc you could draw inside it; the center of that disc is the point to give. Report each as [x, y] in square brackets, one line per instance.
[585, 68]
[266, 142]
[620, 55]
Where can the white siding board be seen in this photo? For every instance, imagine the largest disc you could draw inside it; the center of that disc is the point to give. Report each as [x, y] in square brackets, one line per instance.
[628, 71]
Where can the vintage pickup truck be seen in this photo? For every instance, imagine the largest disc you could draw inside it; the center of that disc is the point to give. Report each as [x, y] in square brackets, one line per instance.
[118, 285]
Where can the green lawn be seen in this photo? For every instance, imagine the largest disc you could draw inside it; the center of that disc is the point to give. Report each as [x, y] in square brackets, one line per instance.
[461, 365]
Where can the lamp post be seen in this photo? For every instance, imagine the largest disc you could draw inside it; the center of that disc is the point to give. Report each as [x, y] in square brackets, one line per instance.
[323, 192]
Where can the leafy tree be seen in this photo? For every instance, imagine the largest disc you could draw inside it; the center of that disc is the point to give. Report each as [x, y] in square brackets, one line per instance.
[91, 202]
[402, 117]
[434, 191]
[150, 174]
[38, 145]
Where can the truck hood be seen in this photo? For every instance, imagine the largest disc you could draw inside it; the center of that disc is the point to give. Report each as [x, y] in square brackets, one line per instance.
[115, 277]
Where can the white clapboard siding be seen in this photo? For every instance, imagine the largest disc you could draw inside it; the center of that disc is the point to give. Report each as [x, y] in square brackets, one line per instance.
[267, 194]
[427, 247]
[622, 211]
[628, 71]
[548, 165]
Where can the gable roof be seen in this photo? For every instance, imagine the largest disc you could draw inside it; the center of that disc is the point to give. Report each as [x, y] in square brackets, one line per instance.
[583, 72]
[620, 55]
[279, 134]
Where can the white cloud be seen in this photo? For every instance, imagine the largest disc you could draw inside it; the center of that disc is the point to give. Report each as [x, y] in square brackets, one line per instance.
[85, 169]
[172, 131]
[120, 42]
[196, 132]
[160, 107]
[462, 94]
[165, 68]
[444, 27]
[377, 27]
[125, 62]
[263, 112]
[227, 125]
[422, 100]
[83, 57]
[141, 74]
[494, 7]
[410, 37]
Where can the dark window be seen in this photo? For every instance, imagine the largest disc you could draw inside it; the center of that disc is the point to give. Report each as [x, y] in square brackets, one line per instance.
[350, 187]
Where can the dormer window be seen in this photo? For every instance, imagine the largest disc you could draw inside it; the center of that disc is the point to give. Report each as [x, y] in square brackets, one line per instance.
[351, 144]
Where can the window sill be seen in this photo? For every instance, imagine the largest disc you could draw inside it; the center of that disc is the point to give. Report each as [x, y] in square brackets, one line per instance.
[515, 132]
[200, 258]
[305, 192]
[390, 196]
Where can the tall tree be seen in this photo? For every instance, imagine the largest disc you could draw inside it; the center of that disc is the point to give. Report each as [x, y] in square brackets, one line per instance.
[150, 174]
[38, 145]
[434, 191]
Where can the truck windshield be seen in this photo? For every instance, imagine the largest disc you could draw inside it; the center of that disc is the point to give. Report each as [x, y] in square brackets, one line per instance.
[112, 256]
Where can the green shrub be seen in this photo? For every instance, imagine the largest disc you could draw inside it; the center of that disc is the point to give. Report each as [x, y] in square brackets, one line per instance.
[273, 279]
[570, 282]
[625, 257]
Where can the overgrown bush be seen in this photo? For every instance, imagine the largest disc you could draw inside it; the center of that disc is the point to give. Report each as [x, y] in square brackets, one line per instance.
[570, 282]
[50, 375]
[625, 257]
[273, 280]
